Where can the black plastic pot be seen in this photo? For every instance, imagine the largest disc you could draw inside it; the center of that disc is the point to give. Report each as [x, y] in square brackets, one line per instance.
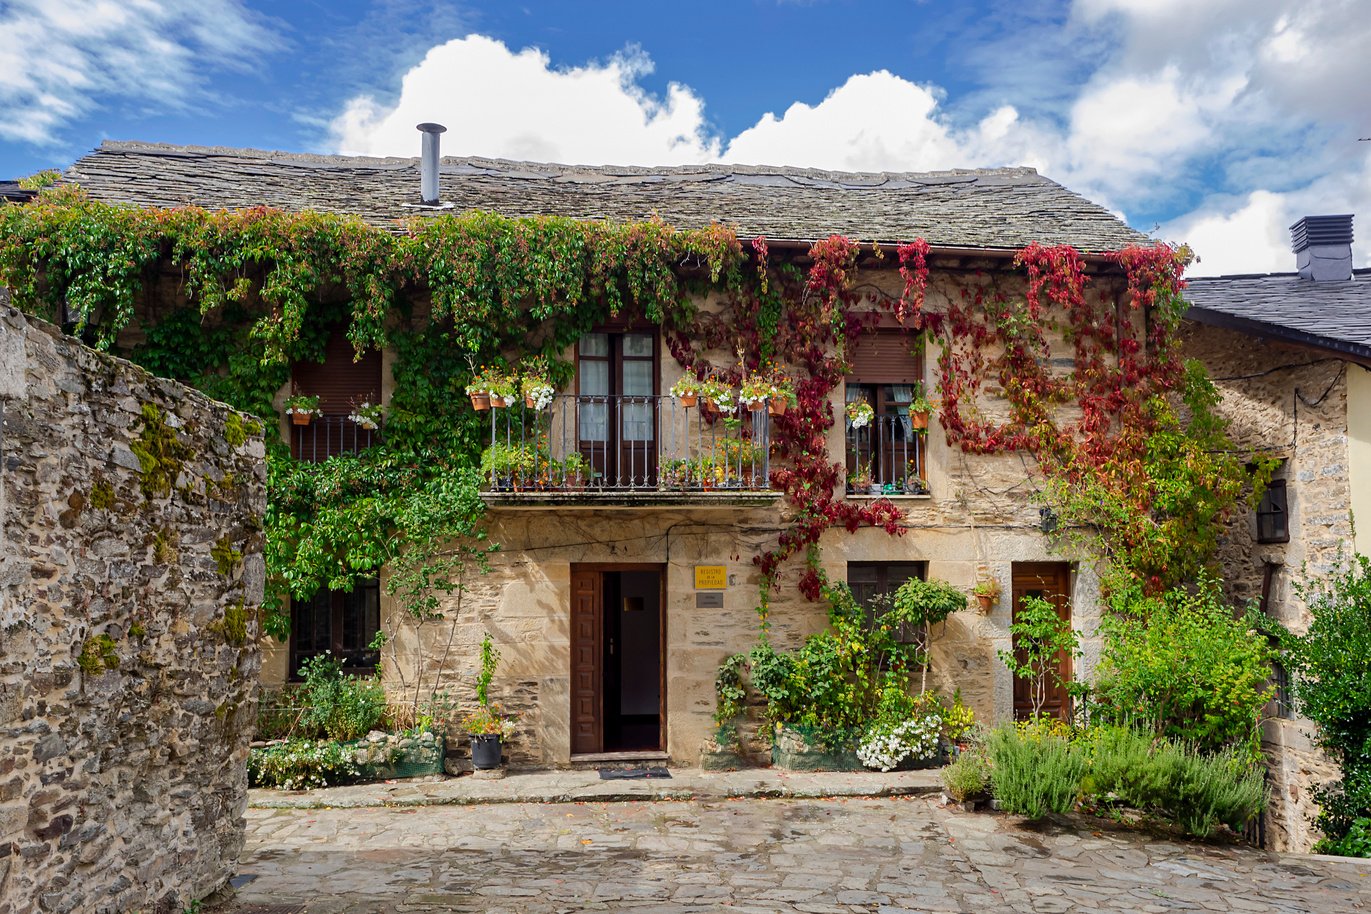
[485, 750]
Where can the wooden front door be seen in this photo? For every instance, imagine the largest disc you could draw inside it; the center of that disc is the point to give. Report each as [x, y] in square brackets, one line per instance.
[1052, 582]
[618, 661]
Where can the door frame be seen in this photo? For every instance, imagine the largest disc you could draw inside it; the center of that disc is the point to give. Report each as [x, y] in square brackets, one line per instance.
[601, 568]
[1026, 576]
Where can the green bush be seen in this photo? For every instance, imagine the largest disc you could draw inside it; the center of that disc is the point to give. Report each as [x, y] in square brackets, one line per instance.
[301, 764]
[1355, 841]
[1183, 666]
[1195, 790]
[337, 706]
[968, 776]
[1034, 771]
[1333, 689]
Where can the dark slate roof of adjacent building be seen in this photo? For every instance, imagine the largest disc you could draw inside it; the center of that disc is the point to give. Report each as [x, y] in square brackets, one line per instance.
[1000, 208]
[11, 191]
[1284, 306]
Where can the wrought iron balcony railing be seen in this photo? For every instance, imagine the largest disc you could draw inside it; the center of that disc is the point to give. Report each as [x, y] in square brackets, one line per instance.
[327, 436]
[626, 444]
[886, 457]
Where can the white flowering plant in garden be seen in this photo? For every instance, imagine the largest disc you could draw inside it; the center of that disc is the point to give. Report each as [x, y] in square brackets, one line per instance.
[886, 745]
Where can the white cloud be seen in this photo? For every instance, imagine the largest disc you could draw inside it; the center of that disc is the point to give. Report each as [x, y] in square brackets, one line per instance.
[496, 102]
[59, 60]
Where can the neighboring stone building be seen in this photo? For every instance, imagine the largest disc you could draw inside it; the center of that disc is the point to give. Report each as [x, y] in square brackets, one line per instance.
[1302, 394]
[613, 605]
[130, 576]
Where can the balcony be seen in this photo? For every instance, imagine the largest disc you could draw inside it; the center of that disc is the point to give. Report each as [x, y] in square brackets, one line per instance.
[886, 457]
[328, 436]
[602, 451]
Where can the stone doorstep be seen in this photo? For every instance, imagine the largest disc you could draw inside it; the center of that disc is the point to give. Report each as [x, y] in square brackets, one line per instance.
[574, 786]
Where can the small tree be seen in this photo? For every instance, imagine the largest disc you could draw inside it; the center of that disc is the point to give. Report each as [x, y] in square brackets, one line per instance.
[1041, 635]
[922, 603]
[1333, 689]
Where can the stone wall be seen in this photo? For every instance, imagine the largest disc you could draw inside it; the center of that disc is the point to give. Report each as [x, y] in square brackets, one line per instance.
[1289, 403]
[130, 577]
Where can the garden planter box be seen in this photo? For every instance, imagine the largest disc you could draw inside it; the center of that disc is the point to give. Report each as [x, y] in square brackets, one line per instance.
[388, 756]
[793, 752]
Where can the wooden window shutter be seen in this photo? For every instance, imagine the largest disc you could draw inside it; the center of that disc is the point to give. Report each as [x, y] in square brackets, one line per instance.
[338, 381]
[887, 357]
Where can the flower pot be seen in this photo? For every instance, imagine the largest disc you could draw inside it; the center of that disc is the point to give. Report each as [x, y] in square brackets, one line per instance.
[918, 420]
[301, 418]
[874, 489]
[528, 401]
[485, 750]
[688, 400]
[480, 401]
[986, 600]
[498, 402]
[756, 405]
[777, 406]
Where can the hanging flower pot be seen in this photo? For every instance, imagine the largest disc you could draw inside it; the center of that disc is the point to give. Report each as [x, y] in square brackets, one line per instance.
[480, 401]
[777, 406]
[688, 400]
[918, 419]
[987, 602]
[498, 402]
[301, 418]
[756, 405]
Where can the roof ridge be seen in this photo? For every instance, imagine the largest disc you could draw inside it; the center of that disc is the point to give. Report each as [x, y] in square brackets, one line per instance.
[173, 149]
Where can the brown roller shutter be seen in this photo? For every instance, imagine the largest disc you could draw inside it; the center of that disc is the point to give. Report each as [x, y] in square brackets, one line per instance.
[885, 357]
[339, 381]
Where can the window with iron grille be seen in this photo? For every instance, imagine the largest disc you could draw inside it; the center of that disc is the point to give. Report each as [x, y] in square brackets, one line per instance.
[1273, 514]
[342, 622]
[341, 381]
[872, 583]
[886, 367]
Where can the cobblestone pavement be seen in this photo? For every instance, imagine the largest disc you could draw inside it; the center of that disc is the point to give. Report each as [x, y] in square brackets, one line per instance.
[874, 855]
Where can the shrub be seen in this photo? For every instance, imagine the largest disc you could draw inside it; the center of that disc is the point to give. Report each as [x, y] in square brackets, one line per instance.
[1182, 665]
[1195, 790]
[1355, 841]
[301, 764]
[886, 745]
[1333, 689]
[278, 713]
[1034, 771]
[337, 706]
[967, 777]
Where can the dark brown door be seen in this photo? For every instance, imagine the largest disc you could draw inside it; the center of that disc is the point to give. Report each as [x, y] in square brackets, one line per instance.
[618, 683]
[587, 733]
[1052, 582]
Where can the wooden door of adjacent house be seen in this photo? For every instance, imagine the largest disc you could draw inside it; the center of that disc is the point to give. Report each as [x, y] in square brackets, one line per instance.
[618, 658]
[1052, 582]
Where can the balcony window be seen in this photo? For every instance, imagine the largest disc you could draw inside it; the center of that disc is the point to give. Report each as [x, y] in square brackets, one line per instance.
[340, 382]
[886, 455]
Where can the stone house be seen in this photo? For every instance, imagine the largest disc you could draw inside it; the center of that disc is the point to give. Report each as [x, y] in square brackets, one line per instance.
[1302, 394]
[614, 604]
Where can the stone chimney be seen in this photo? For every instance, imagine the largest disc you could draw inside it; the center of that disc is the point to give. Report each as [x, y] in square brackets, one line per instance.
[1323, 248]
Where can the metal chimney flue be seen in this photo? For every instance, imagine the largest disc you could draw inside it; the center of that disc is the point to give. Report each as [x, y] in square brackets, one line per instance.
[428, 163]
[1323, 247]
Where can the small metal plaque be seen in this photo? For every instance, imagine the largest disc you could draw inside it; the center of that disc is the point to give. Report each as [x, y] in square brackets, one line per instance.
[710, 599]
[711, 577]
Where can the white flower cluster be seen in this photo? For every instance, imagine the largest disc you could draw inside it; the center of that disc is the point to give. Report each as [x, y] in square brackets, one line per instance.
[540, 395]
[366, 416]
[885, 747]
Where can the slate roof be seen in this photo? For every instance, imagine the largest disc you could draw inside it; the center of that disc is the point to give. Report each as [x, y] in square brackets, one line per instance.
[1283, 306]
[998, 209]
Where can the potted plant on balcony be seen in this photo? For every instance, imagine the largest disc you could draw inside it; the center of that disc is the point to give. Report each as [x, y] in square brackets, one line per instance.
[675, 473]
[487, 726]
[860, 414]
[919, 408]
[480, 387]
[986, 591]
[782, 396]
[755, 391]
[859, 480]
[686, 390]
[504, 391]
[717, 397]
[366, 415]
[302, 409]
[914, 484]
[575, 471]
[535, 386]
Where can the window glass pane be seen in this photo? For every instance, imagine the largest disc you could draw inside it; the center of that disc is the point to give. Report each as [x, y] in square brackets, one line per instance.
[595, 378]
[637, 421]
[638, 345]
[595, 344]
[638, 379]
[594, 422]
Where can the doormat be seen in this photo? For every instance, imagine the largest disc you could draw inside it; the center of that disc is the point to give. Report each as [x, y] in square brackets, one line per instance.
[626, 774]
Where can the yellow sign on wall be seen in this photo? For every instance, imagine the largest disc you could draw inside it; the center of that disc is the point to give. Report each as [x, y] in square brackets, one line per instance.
[711, 577]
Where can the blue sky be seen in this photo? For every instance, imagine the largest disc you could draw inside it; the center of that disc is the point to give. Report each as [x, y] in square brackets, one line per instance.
[1216, 122]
